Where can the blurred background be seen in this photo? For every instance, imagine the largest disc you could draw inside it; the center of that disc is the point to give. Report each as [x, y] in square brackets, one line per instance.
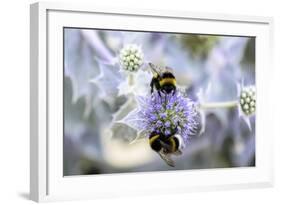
[94, 99]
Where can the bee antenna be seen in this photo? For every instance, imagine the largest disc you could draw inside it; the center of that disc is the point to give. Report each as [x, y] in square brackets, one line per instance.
[168, 68]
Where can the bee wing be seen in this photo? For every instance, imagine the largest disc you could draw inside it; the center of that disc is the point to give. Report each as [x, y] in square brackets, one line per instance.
[155, 69]
[177, 153]
[166, 158]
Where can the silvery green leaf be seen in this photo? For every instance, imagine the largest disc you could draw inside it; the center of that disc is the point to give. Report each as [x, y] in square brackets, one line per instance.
[73, 112]
[81, 132]
[137, 83]
[123, 132]
[206, 95]
[142, 84]
[125, 109]
[126, 119]
[223, 65]
[141, 135]
[131, 119]
[108, 79]
[80, 65]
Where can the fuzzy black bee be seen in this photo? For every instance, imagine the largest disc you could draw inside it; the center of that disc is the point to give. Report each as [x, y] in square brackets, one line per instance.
[166, 145]
[163, 80]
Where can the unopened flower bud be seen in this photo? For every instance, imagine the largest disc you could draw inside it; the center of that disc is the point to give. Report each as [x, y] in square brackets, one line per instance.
[131, 57]
[248, 100]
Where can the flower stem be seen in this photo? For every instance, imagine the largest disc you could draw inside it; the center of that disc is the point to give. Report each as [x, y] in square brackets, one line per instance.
[214, 105]
[131, 79]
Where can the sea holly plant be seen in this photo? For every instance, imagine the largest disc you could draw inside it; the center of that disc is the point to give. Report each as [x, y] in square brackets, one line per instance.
[112, 70]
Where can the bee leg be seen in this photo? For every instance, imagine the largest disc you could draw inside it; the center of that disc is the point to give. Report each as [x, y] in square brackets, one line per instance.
[159, 93]
[152, 86]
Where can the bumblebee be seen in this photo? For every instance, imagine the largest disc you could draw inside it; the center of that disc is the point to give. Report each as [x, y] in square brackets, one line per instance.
[163, 80]
[166, 145]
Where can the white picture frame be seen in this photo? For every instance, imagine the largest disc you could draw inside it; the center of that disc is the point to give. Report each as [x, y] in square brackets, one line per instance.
[46, 179]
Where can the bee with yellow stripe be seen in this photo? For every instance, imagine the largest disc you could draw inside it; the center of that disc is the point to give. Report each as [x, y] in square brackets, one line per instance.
[166, 145]
[163, 80]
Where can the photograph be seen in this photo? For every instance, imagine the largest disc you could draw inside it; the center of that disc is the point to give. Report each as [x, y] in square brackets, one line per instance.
[149, 101]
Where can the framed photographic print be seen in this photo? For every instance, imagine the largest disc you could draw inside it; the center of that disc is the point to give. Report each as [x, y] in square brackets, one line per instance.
[127, 102]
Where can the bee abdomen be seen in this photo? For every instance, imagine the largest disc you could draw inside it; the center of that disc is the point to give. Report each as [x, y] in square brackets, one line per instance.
[167, 81]
[154, 142]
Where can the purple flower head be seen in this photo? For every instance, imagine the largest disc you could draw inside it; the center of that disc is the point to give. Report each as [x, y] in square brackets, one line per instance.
[167, 124]
[172, 114]
[167, 132]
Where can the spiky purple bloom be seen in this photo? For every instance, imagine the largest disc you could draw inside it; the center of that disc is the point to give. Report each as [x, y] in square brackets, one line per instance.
[169, 114]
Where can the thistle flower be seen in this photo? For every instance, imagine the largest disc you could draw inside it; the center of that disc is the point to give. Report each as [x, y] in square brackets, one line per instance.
[131, 57]
[169, 114]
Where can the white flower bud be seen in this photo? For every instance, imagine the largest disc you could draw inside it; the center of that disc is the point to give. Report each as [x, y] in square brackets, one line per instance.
[131, 57]
[246, 107]
[248, 100]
